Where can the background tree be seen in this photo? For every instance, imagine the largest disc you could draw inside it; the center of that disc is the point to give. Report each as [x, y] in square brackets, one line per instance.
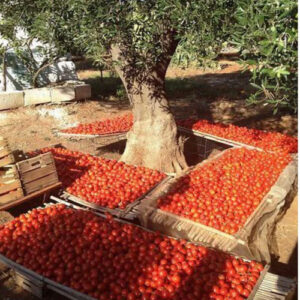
[7, 38]
[27, 51]
[266, 32]
[138, 38]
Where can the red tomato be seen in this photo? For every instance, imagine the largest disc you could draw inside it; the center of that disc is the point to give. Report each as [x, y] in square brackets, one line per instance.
[108, 183]
[272, 141]
[224, 192]
[108, 126]
[110, 260]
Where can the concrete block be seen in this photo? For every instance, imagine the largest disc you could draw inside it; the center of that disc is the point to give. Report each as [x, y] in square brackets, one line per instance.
[83, 91]
[62, 93]
[37, 96]
[11, 99]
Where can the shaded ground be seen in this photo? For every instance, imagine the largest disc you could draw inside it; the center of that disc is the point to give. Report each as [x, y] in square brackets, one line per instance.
[216, 95]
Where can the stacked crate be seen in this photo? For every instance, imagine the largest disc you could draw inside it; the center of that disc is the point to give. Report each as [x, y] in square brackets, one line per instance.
[37, 173]
[10, 184]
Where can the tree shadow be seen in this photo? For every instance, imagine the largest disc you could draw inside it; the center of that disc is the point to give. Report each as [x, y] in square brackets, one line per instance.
[289, 269]
[116, 147]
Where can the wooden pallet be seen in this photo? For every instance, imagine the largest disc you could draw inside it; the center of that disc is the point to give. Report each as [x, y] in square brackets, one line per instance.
[28, 198]
[37, 173]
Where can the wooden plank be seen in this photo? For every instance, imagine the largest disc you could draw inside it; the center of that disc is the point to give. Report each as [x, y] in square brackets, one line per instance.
[31, 196]
[7, 178]
[35, 162]
[38, 173]
[40, 183]
[8, 174]
[10, 186]
[7, 160]
[9, 197]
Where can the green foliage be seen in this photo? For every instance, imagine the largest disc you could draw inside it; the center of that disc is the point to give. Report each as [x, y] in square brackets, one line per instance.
[13, 37]
[266, 32]
[140, 26]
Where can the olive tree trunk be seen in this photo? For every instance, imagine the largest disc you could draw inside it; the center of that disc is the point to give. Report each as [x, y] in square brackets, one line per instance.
[4, 87]
[153, 141]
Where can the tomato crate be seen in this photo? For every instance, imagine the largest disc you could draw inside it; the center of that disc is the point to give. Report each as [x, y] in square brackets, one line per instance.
[215, 138]
[37, 173]
[250, 241]
[38, 284]
[127, 213]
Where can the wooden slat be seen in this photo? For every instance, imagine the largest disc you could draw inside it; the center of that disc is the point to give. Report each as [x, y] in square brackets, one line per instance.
[30, 197]
[7, 160]
[8, 174]
[40, 183]
[7, 187]
[9, 197]
[35, 162]
[38, 173]
[5, 179]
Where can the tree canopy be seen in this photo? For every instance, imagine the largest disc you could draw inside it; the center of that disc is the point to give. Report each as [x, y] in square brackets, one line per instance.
[264, 30]
[139, 38]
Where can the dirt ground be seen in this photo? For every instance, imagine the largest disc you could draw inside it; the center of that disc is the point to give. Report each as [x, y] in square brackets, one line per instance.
[215, 95]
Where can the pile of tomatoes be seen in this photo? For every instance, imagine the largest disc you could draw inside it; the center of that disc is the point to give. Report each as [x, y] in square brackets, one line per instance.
[110, 260]
[108, 126]
[271, 141]
[224, 192]
[108, 183]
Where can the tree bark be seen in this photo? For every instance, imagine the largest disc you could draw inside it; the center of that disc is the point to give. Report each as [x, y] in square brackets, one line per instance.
[153, 141]
[4, 72]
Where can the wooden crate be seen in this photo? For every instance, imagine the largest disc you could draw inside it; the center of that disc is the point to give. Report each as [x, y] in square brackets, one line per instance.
[247, 242]
[40, 284]
[37, 173]
[10, 185]
[8, 173]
